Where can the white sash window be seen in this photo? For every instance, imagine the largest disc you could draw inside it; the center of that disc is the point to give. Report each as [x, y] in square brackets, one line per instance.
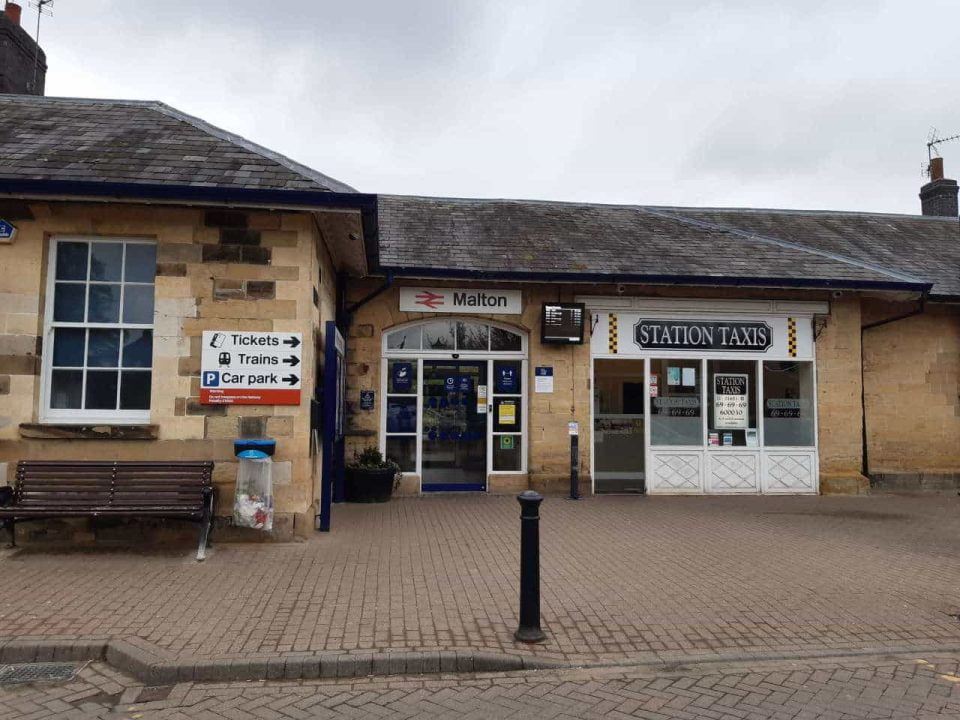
[98, 330]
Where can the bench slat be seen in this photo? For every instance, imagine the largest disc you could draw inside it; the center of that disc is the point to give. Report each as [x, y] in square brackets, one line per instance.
[98, 510]
[64, 488]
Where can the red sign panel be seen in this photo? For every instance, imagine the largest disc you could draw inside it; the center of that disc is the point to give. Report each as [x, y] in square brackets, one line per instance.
[248, 396]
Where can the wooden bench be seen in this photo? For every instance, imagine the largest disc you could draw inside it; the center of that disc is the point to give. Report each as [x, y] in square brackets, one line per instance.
[174, 490]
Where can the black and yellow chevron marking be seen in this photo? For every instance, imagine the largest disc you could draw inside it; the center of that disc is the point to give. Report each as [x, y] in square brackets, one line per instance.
[792, 336]
[612, 334]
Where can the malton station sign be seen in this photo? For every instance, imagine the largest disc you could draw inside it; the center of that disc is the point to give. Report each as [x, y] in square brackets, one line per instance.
[732, 336]
[461, 300]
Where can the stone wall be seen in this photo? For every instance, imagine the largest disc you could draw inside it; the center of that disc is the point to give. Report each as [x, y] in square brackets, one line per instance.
[216, 270]
[838, 358]
[839, 414]
[912, 390]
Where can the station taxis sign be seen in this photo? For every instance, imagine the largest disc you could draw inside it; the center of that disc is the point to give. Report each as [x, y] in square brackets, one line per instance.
[250, 368]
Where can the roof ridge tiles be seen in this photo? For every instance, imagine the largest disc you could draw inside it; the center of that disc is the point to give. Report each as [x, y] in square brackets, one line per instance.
[677, 208]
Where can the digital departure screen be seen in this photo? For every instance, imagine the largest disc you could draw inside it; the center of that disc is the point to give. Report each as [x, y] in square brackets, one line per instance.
[562, 323]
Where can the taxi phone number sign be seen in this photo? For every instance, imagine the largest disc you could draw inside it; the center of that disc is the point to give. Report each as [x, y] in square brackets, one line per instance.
[250, 368]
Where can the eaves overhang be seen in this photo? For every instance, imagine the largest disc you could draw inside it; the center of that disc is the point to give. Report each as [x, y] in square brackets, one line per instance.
[275, 199]
[725, 281]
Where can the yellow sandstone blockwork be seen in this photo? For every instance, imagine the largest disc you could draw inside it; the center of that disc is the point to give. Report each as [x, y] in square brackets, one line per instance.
[275, 270]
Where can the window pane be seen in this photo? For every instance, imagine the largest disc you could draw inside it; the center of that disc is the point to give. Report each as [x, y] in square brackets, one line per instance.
[71, 261]
[141, 262]
[138, 304]
[506, 414]
[406, 339]
[675, 417]
[66, 388]
[504, 341]
[104, 304]
[732, 393]
[106, 261]
[135, 390]
[401, 414]
[506, 452]
[101, 390]
[403, 451]
[507, 377]
[68, 302]
[103, 348]
[438, 335]
[471, 336]
[788, 404]
[138, 348]
[68, 347]
[402, 376]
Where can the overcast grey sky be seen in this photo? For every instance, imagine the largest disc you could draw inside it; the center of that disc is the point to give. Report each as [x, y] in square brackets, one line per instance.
[763, 103]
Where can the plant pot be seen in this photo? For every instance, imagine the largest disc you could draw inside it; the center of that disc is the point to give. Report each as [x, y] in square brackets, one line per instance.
[368, 484]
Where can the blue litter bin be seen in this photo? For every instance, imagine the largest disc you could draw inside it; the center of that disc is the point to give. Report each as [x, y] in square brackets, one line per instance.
[253, 498]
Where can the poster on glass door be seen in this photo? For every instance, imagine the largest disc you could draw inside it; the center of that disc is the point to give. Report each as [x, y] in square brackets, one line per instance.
[731, 407]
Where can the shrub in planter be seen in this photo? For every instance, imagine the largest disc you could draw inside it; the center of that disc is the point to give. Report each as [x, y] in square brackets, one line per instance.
[370, 478]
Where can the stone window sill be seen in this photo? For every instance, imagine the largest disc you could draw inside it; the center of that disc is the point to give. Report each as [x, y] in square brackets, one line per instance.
[41, 431]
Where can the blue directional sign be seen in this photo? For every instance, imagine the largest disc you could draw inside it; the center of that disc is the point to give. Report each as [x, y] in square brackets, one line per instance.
[7, 230]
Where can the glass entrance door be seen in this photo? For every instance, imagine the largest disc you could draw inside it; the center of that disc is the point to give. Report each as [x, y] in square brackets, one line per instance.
[618, 426]
[454, 435]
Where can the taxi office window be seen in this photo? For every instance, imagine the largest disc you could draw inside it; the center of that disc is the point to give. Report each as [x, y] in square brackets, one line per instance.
[99, 330]
[788, 404]
[675, 387]
[732, 411]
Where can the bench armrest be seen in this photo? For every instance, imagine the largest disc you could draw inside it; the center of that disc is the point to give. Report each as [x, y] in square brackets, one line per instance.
[6, 496]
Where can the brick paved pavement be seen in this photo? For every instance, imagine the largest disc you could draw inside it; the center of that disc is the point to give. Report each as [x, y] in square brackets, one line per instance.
[903, 686]
[642, 578]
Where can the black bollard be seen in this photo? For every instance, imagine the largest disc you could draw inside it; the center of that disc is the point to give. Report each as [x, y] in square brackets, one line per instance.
[574, 467]
[529, 629]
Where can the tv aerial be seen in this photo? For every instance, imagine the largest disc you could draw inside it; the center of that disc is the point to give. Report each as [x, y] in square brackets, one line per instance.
[43, 8]
[933, 141]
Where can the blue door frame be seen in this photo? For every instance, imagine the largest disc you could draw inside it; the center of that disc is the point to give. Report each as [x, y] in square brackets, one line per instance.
[332, 463]
[467, 395]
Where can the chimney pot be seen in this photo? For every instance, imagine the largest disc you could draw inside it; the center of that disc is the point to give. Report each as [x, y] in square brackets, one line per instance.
[936, 168]
[13, 12]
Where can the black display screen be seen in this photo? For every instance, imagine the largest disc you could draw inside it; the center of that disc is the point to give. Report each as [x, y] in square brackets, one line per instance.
[562, 323]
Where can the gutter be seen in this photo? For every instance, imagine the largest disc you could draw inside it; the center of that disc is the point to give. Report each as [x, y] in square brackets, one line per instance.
[919, 310]
[346, 311]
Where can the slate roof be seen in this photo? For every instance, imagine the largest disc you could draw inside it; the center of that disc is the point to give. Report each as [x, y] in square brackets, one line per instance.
[130, 141]
[923, 246]
[617, 243]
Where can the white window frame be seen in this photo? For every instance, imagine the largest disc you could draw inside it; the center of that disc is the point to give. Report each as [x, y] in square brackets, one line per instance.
[417, 357]
[74, 416]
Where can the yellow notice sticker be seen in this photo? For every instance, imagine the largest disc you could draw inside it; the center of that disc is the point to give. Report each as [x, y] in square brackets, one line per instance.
[507, 414]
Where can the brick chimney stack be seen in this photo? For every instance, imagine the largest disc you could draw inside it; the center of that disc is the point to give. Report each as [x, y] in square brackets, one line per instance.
[18, 52]
[939, 196]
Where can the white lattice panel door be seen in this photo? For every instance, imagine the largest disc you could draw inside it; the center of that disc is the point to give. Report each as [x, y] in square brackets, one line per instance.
[790, 472]
[734, 472]
[676, 472]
